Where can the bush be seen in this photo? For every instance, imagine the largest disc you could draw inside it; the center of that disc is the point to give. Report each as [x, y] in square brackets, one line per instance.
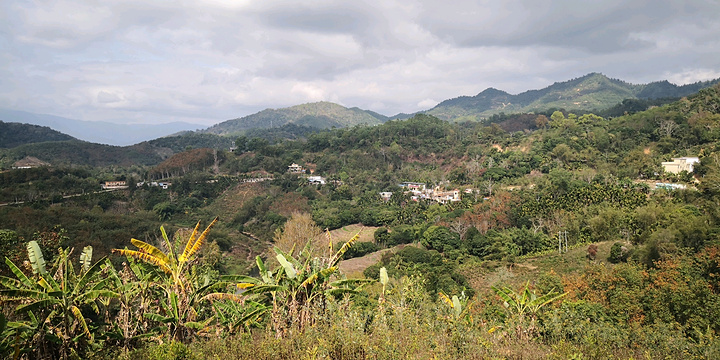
[440, 238]
[382, 236]
[360, 249]
[618, 253]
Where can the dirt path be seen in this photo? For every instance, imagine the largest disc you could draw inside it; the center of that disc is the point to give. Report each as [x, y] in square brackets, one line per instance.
[355, 266]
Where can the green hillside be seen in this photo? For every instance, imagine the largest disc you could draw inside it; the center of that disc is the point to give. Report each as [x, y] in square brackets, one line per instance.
[592, 92]
[76, 152]
[16, 134]
[321, 115]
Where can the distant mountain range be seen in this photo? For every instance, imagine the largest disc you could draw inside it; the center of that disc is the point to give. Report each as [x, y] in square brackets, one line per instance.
[98, 131]
[61, 142]
[320, 115]
[593, 92]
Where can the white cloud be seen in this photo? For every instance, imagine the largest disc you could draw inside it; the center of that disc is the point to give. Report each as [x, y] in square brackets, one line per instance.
[207, 61]
[689, 76]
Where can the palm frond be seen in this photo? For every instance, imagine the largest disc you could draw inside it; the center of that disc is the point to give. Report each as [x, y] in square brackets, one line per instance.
[289, 269]
[224, 296]
[505, 295]
[445, 299]
[145, 257]
[81, 319]
[249, 316]
[350, 282]
[159, 318]
[15, 294]
[168, 244]
[264, 273]
[37, 305]
[346, 246]
[18, 273]
[200, 240]
[89, 273]
[260, 289]
[152, 250]
[86, 258]
[189, 243]
[10, 283]
[239, 278]
[384, 276]
[36, 257]
[544, 300]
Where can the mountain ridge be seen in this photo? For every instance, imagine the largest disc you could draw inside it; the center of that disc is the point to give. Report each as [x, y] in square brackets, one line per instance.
[591, 92]
[100, 132]
[322, 115]
[17, 134]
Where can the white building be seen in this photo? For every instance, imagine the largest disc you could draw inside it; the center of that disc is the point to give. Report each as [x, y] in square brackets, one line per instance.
[317, 180]
[680, 164]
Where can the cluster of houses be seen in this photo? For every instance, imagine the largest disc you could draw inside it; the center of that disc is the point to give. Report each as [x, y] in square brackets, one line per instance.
[112, 185]
[313, 180]
[419, 191]
[163, 184]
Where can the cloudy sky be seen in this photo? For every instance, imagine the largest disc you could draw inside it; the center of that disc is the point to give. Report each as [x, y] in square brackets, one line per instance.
[145, 61]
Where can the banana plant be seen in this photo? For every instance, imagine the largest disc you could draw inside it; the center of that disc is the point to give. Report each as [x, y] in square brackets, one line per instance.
[525, 302]
[176, 313]
[170, 262]
[298, 288]
[55, 299]
[453, 303]
[236, 314]
[133, 284]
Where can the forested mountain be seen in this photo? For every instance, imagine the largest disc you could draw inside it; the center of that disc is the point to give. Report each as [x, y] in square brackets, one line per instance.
[321, 115]
[592, 92]
[16, 134]
[76, 152]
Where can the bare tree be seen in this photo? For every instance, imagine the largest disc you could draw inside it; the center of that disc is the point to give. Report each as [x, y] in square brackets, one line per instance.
[667, 127]
[489, 185]
[460, 227]
[537, 224]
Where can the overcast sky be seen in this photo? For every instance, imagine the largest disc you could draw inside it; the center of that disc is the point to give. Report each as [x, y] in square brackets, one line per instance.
[144, 61]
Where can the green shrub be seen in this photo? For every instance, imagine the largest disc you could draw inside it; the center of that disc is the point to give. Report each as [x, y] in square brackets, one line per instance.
[360, 249]
[618, 253]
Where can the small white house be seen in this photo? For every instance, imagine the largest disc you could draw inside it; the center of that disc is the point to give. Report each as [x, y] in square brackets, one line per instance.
[680, 164]
[296, 169]
[317, 180]
[114, 185]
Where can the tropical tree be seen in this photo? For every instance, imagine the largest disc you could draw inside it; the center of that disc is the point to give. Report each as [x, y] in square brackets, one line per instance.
[136, 294]
[53, 301]
[184, 288]
[525, 303]
[298, 289]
